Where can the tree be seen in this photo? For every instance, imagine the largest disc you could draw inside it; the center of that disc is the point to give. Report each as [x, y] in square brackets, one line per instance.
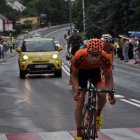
[109, 16]
[134, 15]
[28, 24]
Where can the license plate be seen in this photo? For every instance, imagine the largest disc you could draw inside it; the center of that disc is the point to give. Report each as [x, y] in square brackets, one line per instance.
[41, 66]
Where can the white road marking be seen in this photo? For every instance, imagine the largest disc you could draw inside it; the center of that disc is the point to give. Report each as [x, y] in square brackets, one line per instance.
[3, 137]
[114, 133]
[64, 135]
[121, 134]
[64, 69]
[134, 100]
[118, 96]
[55, 32]
[132, 103]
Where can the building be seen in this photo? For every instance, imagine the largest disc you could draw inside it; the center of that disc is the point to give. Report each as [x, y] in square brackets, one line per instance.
[35, 21]
[2, 25]
[15, 5]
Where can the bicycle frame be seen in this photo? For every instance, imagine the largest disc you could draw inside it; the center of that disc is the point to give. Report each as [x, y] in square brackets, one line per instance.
[89, 124]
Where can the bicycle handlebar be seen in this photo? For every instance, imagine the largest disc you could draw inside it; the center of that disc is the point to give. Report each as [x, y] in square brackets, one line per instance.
[110, 92]
[97, 90]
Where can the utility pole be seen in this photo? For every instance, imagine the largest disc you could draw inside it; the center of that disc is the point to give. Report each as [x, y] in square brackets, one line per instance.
[70, 16]
[70, 13]
[83, 6]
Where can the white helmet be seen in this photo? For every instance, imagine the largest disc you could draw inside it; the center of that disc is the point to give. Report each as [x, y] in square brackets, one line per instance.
[107, 38]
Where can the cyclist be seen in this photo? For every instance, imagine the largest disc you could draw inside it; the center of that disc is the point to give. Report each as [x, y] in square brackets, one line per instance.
[67, 35]
[108, 47]
[84, 44]
[86, 65]
[74, 43]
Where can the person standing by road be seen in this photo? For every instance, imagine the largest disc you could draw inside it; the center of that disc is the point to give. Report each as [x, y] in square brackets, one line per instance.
[1, 49]
[125, 48]
[136, 50]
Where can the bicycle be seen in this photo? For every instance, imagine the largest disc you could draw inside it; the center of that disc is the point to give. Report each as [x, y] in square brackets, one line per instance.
[89, 111]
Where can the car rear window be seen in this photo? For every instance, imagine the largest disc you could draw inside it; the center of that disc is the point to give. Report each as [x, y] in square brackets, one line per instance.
[38, 46]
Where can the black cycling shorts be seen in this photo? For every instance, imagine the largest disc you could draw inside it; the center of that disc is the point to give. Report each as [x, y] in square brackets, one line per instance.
[92, 74]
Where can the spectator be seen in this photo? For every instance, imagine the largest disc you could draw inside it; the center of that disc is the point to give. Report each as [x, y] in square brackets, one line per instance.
[125, 47]
[1, 50]
[136, 51]
[117, 47]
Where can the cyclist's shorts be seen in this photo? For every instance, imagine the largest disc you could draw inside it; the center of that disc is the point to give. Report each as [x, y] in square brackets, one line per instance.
[93, 74]
[74, 49]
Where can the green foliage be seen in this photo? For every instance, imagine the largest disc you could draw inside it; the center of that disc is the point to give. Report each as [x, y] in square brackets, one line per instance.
[8, 12]
[134, 15]
[101, 16]
[109, 16]
[56, 10]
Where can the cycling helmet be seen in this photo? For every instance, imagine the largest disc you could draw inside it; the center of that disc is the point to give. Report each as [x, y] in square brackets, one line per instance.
[107, 38]
[85, 42]
[94, 45]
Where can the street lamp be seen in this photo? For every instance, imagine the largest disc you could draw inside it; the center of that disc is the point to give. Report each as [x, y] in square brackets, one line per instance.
[70, 13]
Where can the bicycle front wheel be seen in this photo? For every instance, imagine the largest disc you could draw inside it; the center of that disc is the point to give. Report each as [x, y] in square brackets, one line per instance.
[85, 123]
[92, 129]
[89, 123]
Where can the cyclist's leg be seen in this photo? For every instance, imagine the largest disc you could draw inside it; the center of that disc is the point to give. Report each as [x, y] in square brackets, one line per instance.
[98, 82]
[78, 112]
[82, 77]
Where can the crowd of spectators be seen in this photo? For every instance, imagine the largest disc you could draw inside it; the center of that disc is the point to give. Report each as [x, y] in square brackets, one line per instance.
[6, 43]
[127, 48]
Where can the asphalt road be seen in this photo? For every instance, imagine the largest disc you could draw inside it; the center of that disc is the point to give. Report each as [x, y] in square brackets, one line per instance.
[42, 103]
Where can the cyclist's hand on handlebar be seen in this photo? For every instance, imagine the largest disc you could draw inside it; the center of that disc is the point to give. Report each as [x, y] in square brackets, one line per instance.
[111, 100]
[76, 96]
[111, 97]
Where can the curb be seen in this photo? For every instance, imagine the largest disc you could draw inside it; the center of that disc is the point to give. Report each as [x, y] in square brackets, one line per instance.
[130, 63]
[8, 55]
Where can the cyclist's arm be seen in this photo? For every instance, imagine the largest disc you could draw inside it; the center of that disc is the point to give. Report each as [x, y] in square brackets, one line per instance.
[112, 57]
[109, 79]
[112, 54]
[68, 49]
[108, 73]
[75, 78]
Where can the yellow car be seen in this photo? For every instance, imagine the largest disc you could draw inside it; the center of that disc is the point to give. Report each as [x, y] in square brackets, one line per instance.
[39, 56]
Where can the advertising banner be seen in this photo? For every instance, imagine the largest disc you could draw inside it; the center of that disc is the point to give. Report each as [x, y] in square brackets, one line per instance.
[8, 25]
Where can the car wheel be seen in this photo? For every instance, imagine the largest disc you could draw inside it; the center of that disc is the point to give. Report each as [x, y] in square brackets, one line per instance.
[22, 74]
[58, 73]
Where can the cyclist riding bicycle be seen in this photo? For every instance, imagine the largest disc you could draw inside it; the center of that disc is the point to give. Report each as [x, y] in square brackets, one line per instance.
[86, 66]
[108, 47]
[74, 43]
[84, 44]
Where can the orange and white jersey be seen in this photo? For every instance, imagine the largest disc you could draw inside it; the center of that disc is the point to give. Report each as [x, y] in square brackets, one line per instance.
[82, 61]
